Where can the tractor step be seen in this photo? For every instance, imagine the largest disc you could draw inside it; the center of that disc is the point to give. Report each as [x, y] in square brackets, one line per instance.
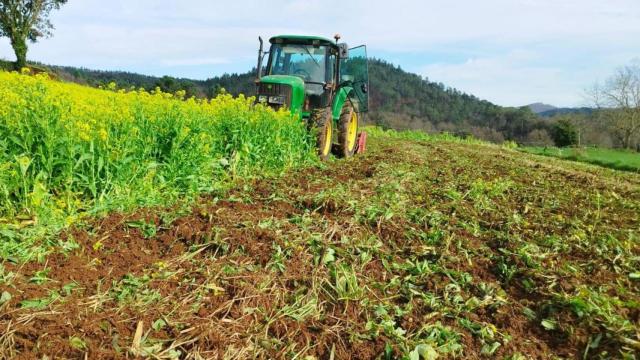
[361, 145]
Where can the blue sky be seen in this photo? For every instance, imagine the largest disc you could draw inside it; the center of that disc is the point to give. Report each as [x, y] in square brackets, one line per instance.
[511, 52]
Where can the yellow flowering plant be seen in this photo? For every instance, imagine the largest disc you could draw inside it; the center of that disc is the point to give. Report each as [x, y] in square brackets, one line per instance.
[107, 147]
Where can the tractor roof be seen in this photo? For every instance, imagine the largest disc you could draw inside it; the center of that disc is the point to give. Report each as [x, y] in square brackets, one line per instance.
[301, 39]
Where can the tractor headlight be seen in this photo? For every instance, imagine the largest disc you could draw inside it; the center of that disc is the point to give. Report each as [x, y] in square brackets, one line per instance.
[262, 99]
[277, 100]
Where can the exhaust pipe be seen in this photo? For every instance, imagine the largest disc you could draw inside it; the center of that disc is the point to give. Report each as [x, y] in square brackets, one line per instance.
[260, 55]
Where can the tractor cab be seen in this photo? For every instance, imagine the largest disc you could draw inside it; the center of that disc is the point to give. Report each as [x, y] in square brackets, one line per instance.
[320, 80]
[313, 64]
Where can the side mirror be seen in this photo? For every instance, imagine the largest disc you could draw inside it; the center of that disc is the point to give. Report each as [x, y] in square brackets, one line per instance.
[343, 50]
[364, 88]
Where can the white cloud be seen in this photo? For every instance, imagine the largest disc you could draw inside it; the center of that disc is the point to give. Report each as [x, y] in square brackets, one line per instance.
[508, 79]
[157, 36]
[521, 76]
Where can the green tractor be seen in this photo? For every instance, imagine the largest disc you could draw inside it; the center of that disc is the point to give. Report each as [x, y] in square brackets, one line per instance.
[323, 82]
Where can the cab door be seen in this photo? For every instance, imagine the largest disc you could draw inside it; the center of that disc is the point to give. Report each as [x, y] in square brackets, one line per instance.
[355, 70]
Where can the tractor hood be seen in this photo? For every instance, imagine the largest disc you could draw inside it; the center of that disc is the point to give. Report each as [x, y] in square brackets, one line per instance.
[293, 81]
[292, 87]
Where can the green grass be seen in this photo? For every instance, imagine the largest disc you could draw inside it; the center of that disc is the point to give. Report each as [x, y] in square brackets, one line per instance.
[420, 136]
[611, 158]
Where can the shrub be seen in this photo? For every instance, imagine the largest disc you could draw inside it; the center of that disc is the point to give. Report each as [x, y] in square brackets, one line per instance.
[564, 133]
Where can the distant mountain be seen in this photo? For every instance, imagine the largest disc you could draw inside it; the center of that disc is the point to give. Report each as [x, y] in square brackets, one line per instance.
[541, 107]
[548, 111]
[565, 111]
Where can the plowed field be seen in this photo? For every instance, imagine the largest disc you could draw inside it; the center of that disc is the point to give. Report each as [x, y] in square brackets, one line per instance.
[432, 249]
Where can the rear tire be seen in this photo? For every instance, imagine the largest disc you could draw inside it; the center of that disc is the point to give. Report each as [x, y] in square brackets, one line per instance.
[348, 135]
[322, 123]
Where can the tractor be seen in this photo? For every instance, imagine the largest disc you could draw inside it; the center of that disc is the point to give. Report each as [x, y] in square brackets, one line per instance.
[321, 81]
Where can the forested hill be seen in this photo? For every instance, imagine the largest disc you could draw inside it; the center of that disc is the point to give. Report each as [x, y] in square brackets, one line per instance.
[399, 100]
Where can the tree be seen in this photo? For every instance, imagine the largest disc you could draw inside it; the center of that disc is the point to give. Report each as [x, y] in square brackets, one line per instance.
[618, 101]
[22, 20]
[539, 137]
[564, 133]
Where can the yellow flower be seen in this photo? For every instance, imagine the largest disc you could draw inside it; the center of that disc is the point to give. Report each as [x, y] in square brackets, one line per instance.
[103, 134]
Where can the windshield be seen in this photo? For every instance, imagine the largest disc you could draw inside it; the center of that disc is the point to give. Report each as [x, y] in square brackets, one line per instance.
[305, 61]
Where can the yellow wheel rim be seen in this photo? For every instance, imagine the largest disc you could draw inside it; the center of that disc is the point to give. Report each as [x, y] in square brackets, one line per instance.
[352, 132]
[326, 147]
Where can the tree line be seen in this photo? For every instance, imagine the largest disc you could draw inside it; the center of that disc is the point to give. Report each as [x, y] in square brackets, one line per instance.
[398, 100]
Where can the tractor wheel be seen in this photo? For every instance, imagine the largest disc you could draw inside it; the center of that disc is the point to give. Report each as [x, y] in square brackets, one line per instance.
[322, 122]
[348, 136]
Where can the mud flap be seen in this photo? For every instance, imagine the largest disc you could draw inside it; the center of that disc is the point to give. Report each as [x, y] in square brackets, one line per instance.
[361, 145]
